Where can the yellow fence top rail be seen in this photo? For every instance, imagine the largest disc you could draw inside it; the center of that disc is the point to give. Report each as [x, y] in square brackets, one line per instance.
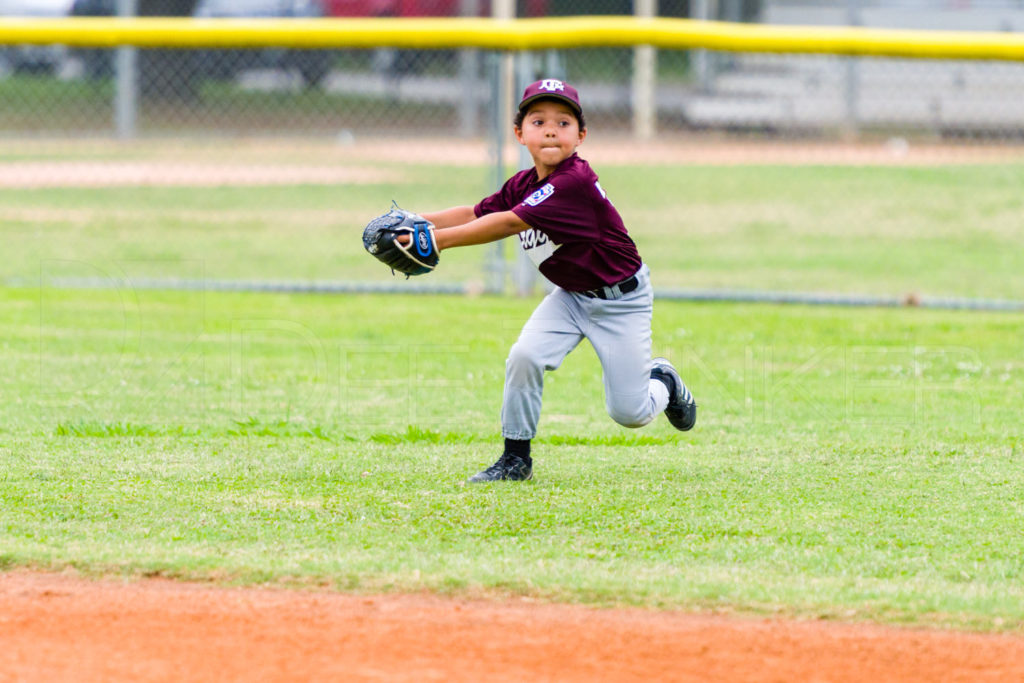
[516, 34]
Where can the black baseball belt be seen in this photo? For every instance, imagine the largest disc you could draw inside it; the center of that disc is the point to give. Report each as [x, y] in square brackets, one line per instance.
[616, 291]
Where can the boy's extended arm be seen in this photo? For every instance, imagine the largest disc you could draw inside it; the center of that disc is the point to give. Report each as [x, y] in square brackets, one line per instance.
[459, 227]
[489, 228]
[457, 215]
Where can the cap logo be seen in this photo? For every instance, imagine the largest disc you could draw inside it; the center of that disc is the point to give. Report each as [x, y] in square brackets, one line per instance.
[551, 85]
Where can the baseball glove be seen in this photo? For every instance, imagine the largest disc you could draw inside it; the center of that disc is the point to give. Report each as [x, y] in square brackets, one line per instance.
[417, 257]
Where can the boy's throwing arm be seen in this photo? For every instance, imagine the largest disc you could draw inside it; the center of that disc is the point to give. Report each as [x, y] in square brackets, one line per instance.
[489, 228]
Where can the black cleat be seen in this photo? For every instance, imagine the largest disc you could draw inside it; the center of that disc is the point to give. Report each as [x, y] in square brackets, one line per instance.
[682, 409]
[508, 468]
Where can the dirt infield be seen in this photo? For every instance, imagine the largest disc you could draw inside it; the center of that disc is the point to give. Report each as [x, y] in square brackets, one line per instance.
[249, 162]
[57, 627]
[199, 173]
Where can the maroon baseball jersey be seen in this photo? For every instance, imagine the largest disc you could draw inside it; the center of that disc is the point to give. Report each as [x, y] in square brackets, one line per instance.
[576, 237]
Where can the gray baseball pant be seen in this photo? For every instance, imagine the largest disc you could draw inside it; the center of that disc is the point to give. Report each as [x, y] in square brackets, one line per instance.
[620, 332]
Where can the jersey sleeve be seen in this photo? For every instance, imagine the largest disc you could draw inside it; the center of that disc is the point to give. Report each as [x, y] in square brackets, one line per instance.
[502, 200]
[563, 208]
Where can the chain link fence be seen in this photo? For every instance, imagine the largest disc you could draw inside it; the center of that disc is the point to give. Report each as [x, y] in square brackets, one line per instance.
[129, 118]
[53, 90]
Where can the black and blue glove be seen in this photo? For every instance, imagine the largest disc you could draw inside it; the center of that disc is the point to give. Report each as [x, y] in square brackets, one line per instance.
[417, 256]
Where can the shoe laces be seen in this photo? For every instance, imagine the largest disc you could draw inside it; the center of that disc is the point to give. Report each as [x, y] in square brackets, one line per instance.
[505, 462]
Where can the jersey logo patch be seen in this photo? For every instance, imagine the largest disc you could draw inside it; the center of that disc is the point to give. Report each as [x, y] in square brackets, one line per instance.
[540, 195]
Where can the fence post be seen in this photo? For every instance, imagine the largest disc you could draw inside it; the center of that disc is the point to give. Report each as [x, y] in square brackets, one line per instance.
[502, 81]
[645, 107]
[468, 58]
[506, 9]
[701, 10]
[851, 94]
[494, 256]
[525, 272]
[126, 97]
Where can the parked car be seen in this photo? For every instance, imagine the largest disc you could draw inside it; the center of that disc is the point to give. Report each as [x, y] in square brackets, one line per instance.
[163, 73]
[312, 65]
[421, 8]
[95, 63]
[34, 58]
[401, 62]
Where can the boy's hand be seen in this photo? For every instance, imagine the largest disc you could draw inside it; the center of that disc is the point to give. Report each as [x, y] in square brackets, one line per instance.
[403, 241]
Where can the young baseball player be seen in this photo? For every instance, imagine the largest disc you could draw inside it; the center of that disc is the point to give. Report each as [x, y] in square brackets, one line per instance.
[572, 232]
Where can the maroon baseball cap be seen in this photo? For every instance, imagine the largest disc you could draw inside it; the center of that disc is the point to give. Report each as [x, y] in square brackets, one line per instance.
[551, 88]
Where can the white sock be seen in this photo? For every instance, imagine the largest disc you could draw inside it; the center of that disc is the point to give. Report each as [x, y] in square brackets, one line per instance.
[659, 394]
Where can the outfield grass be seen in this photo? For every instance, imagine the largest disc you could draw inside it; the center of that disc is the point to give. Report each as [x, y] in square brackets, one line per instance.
[853, 464]
[850, 464]
[944, 231]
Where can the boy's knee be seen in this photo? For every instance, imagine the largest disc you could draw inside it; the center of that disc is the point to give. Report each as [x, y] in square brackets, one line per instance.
[520, 356]
[633, 417]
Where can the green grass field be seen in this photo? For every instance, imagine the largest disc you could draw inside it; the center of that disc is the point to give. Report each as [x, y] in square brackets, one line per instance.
[950, 231]
[848, 463]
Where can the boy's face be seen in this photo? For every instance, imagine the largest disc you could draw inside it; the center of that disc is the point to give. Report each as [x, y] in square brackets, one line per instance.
[551, 133]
